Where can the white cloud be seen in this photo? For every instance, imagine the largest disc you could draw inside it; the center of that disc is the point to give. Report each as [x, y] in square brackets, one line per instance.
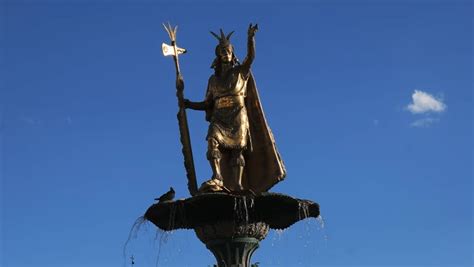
[423, 123]
[424, 102]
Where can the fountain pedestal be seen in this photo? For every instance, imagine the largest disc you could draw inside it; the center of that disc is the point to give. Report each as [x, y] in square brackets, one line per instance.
[233, 252]
[232, 244]
[231, 226]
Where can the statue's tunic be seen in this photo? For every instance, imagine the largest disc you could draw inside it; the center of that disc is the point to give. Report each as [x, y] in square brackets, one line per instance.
[229, 124]
[237, 121]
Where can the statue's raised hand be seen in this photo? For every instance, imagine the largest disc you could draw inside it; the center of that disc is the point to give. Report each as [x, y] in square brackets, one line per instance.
[252, 30]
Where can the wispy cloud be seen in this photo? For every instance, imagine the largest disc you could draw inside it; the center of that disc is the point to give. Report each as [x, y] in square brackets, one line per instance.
[423, 123]
[31, 121]
[423, 102]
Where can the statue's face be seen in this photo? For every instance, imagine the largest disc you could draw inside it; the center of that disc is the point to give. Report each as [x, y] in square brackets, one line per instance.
[225, 54]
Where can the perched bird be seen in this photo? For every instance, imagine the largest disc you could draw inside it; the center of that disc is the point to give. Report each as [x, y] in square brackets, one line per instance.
[168, 196]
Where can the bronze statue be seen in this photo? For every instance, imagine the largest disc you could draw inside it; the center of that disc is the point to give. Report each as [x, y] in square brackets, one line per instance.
[241, 148]
[244, 161]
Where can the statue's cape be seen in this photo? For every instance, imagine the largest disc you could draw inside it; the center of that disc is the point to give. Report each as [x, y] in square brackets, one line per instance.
[263, 165]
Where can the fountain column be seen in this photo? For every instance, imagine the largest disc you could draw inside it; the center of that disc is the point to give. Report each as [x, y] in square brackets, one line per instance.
[231, 243]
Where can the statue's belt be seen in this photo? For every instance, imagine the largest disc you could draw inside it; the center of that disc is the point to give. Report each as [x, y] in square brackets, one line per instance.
[229, 101]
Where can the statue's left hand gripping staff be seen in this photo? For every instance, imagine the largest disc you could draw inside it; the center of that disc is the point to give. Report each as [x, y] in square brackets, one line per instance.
[174, 50]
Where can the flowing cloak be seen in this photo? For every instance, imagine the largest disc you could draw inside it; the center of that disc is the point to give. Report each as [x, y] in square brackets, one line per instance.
[263, 164]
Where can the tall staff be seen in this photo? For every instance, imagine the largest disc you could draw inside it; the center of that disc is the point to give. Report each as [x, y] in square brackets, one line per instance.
[174, 50]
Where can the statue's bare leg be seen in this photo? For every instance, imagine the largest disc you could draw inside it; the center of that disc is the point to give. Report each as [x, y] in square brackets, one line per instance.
[214, 157]
[238, 163]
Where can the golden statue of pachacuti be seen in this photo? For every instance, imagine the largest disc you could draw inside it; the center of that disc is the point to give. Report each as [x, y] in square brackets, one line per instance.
[241, 147]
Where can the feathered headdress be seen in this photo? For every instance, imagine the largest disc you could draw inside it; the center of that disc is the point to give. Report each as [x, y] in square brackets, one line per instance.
[223, 39]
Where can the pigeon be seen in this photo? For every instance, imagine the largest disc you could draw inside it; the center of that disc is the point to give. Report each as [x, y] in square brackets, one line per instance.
[168, 196]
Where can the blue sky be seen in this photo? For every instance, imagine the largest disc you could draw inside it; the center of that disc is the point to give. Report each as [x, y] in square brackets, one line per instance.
[370, 104]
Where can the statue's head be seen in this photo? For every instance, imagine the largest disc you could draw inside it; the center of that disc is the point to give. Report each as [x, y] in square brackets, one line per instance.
[225, 53]
[224, 50]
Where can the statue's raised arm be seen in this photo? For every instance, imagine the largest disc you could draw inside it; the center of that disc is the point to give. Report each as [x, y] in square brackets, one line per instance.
[250, 48]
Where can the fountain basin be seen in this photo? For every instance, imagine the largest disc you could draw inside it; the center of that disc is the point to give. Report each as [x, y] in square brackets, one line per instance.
[278, 211]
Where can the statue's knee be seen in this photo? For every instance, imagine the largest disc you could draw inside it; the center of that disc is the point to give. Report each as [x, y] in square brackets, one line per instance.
[213, 154]
[213, 151]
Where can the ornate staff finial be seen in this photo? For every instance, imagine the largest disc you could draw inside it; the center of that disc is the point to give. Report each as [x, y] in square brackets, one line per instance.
[171, 31]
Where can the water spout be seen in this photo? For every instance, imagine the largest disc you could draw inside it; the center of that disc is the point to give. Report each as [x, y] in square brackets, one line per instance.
[133, 233]
[303, 210]
[241, 209]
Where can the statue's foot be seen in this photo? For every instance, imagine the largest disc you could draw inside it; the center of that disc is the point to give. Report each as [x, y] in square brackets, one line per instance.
[218, 182]
[217, 178]
[213, 185]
